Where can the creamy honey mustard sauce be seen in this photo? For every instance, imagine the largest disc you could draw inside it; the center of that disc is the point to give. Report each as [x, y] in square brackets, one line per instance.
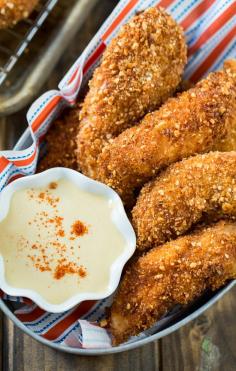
[59, 240]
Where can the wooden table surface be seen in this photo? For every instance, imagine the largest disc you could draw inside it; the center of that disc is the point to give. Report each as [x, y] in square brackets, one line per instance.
[206, 344]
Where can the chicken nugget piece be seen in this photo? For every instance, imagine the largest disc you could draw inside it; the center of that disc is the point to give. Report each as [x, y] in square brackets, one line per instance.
[140, 69]
[13, 11]
[175, 273]
[190, 123]
[188, 191]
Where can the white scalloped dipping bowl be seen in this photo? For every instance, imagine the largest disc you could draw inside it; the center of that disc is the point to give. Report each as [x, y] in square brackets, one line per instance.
[118, 217]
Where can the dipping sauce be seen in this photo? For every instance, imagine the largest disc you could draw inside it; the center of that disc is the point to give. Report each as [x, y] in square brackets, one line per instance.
[59, 240]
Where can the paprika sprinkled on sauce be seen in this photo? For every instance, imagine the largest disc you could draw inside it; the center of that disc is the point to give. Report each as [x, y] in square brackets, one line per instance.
[52, 241]
[53, 185]
[79, 228]
[68, 268]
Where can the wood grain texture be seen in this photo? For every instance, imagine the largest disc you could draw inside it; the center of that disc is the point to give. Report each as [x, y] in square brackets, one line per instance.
[206, 344]
[22, 353]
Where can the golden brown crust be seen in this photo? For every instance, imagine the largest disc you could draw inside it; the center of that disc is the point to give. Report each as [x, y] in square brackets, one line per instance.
[190, 123]
[229, 142]
[140, 68]
[175, 273]
[188, 191]
[61, 142]
[12, 11]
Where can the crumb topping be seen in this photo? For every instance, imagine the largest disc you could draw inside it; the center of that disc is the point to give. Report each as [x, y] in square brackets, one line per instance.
[191, 123]
[199, 188]
[139, 70]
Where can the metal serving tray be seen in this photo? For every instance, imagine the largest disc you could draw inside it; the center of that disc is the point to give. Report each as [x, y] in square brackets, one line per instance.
[180, 319]
[30, 50]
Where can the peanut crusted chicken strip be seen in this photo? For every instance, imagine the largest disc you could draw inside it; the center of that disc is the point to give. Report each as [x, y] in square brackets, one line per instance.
[187, 192]
[61, 142]
[190, 123]
[140, 68]
[229, 142]
[175, 273]
[12, 11]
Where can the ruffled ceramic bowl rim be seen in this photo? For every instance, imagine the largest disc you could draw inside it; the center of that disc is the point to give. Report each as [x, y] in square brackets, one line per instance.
[118, 216]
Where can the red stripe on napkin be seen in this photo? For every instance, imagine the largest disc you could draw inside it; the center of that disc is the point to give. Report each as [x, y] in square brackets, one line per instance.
[94, 57]
[165, 3]
[74, 74]
[45, 113]
[32, 316]
[3, 163]
[61, 326]
[196, 13]
[213, 28]
[118, 19]
[26, 161]
[212, 56]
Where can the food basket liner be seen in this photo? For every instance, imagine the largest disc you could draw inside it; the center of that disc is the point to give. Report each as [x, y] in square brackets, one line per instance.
[210, 30]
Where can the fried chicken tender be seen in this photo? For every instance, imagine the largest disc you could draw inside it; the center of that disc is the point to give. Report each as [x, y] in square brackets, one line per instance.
[61, 142]
[190, 123]
[13, 11]
[140, 69]
[175, 273]
[229, 142]
[188, 191]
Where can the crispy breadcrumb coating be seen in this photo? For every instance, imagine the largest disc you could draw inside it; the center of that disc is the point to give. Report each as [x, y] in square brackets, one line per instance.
[190, 123]
[229, 142]
[140, 68]
[187, 192]
[175, 273]
[12, 11]
[61, 143]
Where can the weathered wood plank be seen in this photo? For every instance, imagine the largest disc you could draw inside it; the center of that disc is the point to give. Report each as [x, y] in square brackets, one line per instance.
[22, 353]
[206, 344]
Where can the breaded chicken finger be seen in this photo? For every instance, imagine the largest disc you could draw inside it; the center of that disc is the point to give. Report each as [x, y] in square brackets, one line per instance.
[188, 191]
[190, 123]
[229, 142]
[175, 273]
[140, 68]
